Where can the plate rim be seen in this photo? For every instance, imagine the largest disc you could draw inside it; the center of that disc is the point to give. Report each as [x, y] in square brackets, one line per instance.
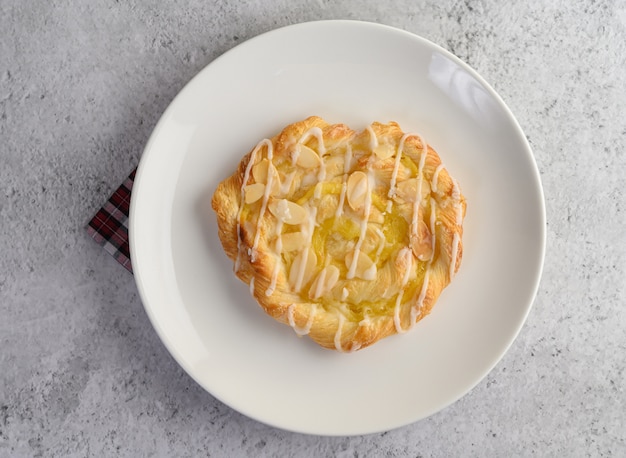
[137, 192]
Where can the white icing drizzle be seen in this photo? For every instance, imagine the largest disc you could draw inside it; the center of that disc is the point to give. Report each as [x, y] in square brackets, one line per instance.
[456, 239]
[346, 169]
[396, 165]
[277, 261]
[433, 221]
[342, 199]
[456, 195]
[436, 177]
[309, 323]
[246, 176]
[284, 187]
[455, 252]
[417, 308]
[319, 287]
[456, 192]
[363, 223]
[266, 198]
[414, 234]
[418, 192]
[321, 175]
[388, 207]
[406, 252]
[420, 300]
[318, 134]
[252, 286]
[312, 214]
[396, 314]
[373, 138]
[368, 208]
[342, 319]
[381, 244]
[344, 294]
[317, 192]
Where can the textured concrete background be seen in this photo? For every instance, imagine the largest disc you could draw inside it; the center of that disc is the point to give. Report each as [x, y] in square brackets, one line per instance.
[82, 373]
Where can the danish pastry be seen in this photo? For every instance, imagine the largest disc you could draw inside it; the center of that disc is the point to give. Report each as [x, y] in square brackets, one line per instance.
[348, 237]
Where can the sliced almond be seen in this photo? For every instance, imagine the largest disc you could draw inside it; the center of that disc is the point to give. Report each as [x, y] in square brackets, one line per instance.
[384, 151]
[407, 190]
[259, 170]
[275, 180]
[287, 211]
[302, 269]
[372, 239]
[404, 260]
[263, 170]
[324, 282]
[307, 158]
[370, 273]
[253, 192]
[376, 216]
[357, 190]
[365, 267]
[293, 241]
[404, 265]
[421, 245]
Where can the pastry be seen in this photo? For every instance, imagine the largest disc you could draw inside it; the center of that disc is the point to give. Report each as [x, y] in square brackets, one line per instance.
[348, 237]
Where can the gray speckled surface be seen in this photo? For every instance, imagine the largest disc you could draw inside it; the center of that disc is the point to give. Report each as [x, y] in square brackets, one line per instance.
[82, 373]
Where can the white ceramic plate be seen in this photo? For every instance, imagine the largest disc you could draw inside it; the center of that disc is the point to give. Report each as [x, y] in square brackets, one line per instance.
[355, 73]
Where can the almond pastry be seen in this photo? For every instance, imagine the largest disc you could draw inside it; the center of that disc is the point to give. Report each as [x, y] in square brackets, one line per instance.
[348, 237]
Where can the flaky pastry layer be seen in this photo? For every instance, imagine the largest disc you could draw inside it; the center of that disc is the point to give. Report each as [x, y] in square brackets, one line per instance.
[348, 237]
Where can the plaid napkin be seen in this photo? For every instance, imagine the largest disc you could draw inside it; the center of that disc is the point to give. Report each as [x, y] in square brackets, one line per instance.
[109, 227]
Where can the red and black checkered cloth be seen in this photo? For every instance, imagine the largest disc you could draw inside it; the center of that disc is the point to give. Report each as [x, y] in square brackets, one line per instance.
[109, 227]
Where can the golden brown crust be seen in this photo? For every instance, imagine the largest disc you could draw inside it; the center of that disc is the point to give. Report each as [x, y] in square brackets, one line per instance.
[345, 254]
